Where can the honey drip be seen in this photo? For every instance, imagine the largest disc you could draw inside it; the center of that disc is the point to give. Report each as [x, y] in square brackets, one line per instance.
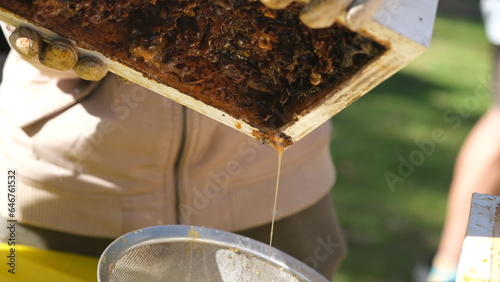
[280, 150]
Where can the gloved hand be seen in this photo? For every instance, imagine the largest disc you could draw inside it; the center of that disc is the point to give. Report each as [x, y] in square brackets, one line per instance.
[59, 54]
[323, 13]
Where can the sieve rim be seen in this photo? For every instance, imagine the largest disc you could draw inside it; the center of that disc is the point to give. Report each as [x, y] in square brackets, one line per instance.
[201, 235]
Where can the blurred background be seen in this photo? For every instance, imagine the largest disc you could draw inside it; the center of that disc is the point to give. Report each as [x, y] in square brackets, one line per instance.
[393, 225]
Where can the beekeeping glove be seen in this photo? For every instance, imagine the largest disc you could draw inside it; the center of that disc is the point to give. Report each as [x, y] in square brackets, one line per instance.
[60, 54]
[323, 13]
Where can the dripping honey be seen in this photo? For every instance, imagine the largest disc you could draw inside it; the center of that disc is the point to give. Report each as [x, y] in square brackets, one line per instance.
[280, 148]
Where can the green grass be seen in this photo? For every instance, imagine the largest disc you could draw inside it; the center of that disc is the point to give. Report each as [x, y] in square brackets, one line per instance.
[389, 230]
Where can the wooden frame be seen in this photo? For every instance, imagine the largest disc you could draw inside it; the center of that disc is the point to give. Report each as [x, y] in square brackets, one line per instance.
[404, 27]
[480, 257]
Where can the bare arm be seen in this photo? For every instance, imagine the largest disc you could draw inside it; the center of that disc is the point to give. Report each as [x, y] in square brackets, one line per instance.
[477, 169]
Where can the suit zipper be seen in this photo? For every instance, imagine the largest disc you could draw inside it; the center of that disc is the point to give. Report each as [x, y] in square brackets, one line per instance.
[177, 184]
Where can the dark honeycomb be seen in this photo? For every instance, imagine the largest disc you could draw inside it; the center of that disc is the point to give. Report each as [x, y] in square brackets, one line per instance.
[257, 64]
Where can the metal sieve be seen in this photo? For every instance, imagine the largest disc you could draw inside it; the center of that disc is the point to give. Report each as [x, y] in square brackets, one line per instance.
[190, 253]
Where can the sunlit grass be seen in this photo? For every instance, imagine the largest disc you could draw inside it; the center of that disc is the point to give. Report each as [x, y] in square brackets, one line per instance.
[390, 228]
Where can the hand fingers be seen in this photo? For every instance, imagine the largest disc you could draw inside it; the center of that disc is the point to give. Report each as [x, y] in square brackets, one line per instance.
[91, 68]
[26, 42]
[359, 14]
[60, 54]
[322, 13]
[276, 4]
[63, 55]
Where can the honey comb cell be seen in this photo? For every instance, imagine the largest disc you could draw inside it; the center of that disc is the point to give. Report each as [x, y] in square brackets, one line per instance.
[259, 65]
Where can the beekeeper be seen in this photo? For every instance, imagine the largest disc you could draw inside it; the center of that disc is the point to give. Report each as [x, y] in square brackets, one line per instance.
[94, 160]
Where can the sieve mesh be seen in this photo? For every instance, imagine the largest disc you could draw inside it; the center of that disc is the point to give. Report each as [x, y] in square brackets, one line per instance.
[200, 254]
